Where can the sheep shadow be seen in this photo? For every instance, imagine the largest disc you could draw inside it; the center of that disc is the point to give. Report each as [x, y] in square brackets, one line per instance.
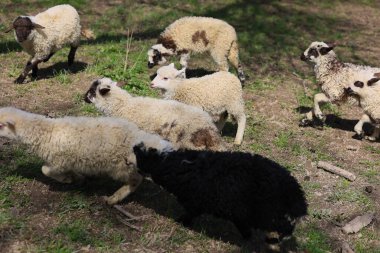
[60, 67]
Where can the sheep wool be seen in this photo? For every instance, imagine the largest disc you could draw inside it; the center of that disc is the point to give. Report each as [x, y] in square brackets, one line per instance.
[198, 35]
[219, 94]
[333, 76]
[183, 125]
[73, 147]
[251, 191]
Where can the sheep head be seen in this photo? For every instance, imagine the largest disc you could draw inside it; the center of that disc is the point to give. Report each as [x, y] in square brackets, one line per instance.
[316, 50]
[23, 27]
[7, 124]
[100, 89]
[165, 74]
[368, 87]
[156, 55]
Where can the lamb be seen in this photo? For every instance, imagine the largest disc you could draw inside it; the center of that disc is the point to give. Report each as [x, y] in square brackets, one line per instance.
[198, 35]
[73, 147]
[333, 76]
[46, 33]
[183, 125]
[368, 91]
[219, 94]
[251, 191]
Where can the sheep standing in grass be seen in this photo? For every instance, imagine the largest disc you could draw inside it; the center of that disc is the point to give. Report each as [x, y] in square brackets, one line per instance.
[368, 91]
[46, 33]
[333, 76]
[73, 147]
[251, 191]
[219, 94]
[183, 125]
[198, 35]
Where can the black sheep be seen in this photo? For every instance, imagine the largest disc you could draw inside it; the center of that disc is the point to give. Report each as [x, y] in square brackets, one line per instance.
[250, 190]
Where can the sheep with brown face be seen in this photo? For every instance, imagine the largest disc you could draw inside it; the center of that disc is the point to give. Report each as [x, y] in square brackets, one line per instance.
[368, 92]
[44, 34]
[198, 35]
[333, 76]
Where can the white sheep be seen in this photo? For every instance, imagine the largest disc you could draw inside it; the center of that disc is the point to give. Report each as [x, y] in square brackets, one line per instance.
[198, 35]
[219, 94]
[46, 33]
[333, 76]
[184, 125]
[368, 92]
[73, 147]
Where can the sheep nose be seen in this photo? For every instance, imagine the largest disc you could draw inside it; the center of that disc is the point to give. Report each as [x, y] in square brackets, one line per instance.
[150, 65]
[303, 57]
[348, 90]
[152, 85]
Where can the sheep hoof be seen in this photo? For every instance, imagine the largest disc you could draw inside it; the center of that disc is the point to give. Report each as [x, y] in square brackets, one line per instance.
[110, 200]
[305, 123]
[359, 136]
[19, 80]
[370, 138]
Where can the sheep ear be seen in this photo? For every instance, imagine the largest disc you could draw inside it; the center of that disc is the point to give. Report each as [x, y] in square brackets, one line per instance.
[11, 126]
[35, 25]
[181, 73]
[121, 84]
[104, 91]
[377, 74]
[373, 81]
[10, 28]
[325, 50]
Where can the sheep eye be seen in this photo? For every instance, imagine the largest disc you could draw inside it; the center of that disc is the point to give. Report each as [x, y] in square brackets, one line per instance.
[165, 78]
[359, 84]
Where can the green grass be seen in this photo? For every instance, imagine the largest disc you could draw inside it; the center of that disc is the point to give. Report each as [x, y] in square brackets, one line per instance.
[316, 241]
[75, 231]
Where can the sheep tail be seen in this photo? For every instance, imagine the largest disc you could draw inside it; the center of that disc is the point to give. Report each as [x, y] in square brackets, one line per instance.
[88, 34]
[233, 57]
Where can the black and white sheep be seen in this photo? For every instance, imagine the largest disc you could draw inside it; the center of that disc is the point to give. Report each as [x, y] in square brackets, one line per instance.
[251, 191]
[198, 35]
[46, 33]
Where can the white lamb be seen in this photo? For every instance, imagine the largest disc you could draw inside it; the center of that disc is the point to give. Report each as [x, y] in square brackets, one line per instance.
[333, 76]
[198, 35]
[184, 125]
[219, 94]
[73, 147]
[46, 33]
[368, 92]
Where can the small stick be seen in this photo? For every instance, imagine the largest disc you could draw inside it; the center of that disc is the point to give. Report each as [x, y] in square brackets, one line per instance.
[129, 224]
[128, 214]
[336, 170]
[358, 223]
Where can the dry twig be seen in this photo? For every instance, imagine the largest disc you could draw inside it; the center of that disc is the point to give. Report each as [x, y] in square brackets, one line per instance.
[336, 170]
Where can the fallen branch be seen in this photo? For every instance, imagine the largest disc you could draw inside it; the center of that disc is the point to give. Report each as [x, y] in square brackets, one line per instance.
[358, 223]
[130, 225]
[336, 170]
[128, 214]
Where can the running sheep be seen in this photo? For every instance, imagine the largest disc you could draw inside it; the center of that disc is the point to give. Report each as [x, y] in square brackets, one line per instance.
[219, 94]
[251, 191]
[198, 35]
[333, 76]
[183, 125]
[74, 147]
[44, 34]
[368, 92]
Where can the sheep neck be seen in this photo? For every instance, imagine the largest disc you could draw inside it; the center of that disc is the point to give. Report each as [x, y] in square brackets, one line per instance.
[327, 65]
[170, 90]
[116, 103]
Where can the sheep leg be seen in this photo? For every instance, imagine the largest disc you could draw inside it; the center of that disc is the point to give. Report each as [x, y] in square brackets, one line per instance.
[133, 182]
[71, 56]
[222, 121]
[272, 240]
[29, 66]
[375, 135]
[233, 57]
[221, 60]
[187, 219]
[244, 230]
[320, 98]
[60, 177]
[34, 71]
[48, 57]
[359, 126]
[241, 120]
[184, 59]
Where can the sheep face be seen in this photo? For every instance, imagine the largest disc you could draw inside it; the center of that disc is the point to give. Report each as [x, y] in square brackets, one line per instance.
[315, 51]
[156, 55]
[364, 89]
[146, 159]
[7, 126]
[165, 75]
[99, 89]
[23, 28]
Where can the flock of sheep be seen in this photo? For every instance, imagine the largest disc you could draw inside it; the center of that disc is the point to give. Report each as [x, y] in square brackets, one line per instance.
[176, 140]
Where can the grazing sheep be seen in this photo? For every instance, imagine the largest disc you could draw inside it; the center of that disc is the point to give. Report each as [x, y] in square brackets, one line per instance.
[251, 191]
[183, 125]
[73, 147]
[198, 35]
[368, 92]
[333, 77]
[46, 33]
[219, 94]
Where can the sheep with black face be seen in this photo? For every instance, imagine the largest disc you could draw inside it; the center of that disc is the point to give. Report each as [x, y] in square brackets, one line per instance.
[46, 33]
[368, 92]
[198, 35]
[333, 76]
